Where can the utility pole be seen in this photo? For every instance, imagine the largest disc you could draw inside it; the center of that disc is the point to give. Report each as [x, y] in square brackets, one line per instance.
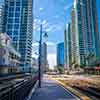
[40, 46]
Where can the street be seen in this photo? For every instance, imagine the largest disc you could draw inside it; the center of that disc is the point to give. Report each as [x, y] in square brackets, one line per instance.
[50, 90]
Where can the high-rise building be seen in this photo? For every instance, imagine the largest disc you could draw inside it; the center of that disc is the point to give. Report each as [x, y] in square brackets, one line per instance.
[74, 39]
[1, 16]
[68, 47]
[60, 54]
[44, 57]
[92, 27]
[70, 54]
[80, 29]
[19, 26]
[66, 62]
[87, 29]
[98, 13]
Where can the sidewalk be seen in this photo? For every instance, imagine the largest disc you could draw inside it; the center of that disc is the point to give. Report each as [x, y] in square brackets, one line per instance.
[50, 90]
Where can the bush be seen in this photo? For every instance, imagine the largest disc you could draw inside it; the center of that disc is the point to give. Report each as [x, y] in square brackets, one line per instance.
[61, 70]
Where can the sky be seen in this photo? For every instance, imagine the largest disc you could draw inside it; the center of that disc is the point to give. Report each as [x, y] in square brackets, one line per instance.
[54, 15]
[51, 49]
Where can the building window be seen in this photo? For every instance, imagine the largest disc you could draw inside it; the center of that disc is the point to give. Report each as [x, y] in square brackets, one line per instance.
[10, 20]
[17, 3]
[16, 20]
[10, 14]
[17, 14]
[16, 26]
[16, 32]
[17, 8]
[11, 3]
[9, 32]
[11, 9]
[9, 26]
[15, 38]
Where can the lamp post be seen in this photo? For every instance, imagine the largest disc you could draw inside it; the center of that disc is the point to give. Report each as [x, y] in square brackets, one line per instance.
[40, 50]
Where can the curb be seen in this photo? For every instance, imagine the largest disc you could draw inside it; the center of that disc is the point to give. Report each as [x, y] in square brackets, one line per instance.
[33, 90]
[73, 91]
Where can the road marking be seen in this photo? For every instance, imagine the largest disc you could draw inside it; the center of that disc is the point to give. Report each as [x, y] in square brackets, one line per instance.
[82, 97]
[69, 92]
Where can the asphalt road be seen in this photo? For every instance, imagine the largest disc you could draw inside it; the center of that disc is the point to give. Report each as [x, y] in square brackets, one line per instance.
[50, 90]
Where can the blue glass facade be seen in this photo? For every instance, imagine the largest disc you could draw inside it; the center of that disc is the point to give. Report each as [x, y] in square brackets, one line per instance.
[60, 54]
[87, 29]
[19, 26]
[98, 13]
[1, 16]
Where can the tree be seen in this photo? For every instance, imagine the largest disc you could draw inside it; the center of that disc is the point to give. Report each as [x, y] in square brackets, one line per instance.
[60, 69]
[90, 58]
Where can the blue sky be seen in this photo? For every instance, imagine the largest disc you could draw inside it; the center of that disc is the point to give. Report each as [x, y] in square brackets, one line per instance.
[54, 14]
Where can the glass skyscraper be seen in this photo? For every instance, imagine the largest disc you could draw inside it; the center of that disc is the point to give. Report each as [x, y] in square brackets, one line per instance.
[74, 39]
[1, 15]
[68, 47]
[60, 54]
[80, 29]
[98, 13]
[87, 29]
[66, 62]
[19, 26]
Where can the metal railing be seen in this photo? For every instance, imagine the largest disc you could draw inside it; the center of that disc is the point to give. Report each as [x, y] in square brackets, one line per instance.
[18, 91]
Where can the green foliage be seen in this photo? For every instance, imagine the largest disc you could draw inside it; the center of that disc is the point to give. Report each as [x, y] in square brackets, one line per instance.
[1, 46]
[60, 69]
[82, 66]
[91, 58]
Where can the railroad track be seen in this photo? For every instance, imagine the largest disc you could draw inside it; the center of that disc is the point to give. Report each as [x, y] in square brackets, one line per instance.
[93, 93]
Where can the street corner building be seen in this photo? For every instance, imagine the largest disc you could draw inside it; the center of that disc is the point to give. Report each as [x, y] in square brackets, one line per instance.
[9, 57]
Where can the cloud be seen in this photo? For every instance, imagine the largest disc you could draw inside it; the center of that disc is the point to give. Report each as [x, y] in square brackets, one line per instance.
[53, 28]
[41, 9]
[49, 43]
[44, 22]
[52, 60]
[35, 44]
[56, 16]
[51, 51]
[51, 47]
[68, 6]
[37, 22]
[46, 25]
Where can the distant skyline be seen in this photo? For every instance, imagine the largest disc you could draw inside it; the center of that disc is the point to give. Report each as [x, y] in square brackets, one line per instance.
[54, 15]
[51, 49]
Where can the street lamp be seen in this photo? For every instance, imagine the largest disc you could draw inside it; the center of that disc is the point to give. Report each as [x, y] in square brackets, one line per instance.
[40, 46]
